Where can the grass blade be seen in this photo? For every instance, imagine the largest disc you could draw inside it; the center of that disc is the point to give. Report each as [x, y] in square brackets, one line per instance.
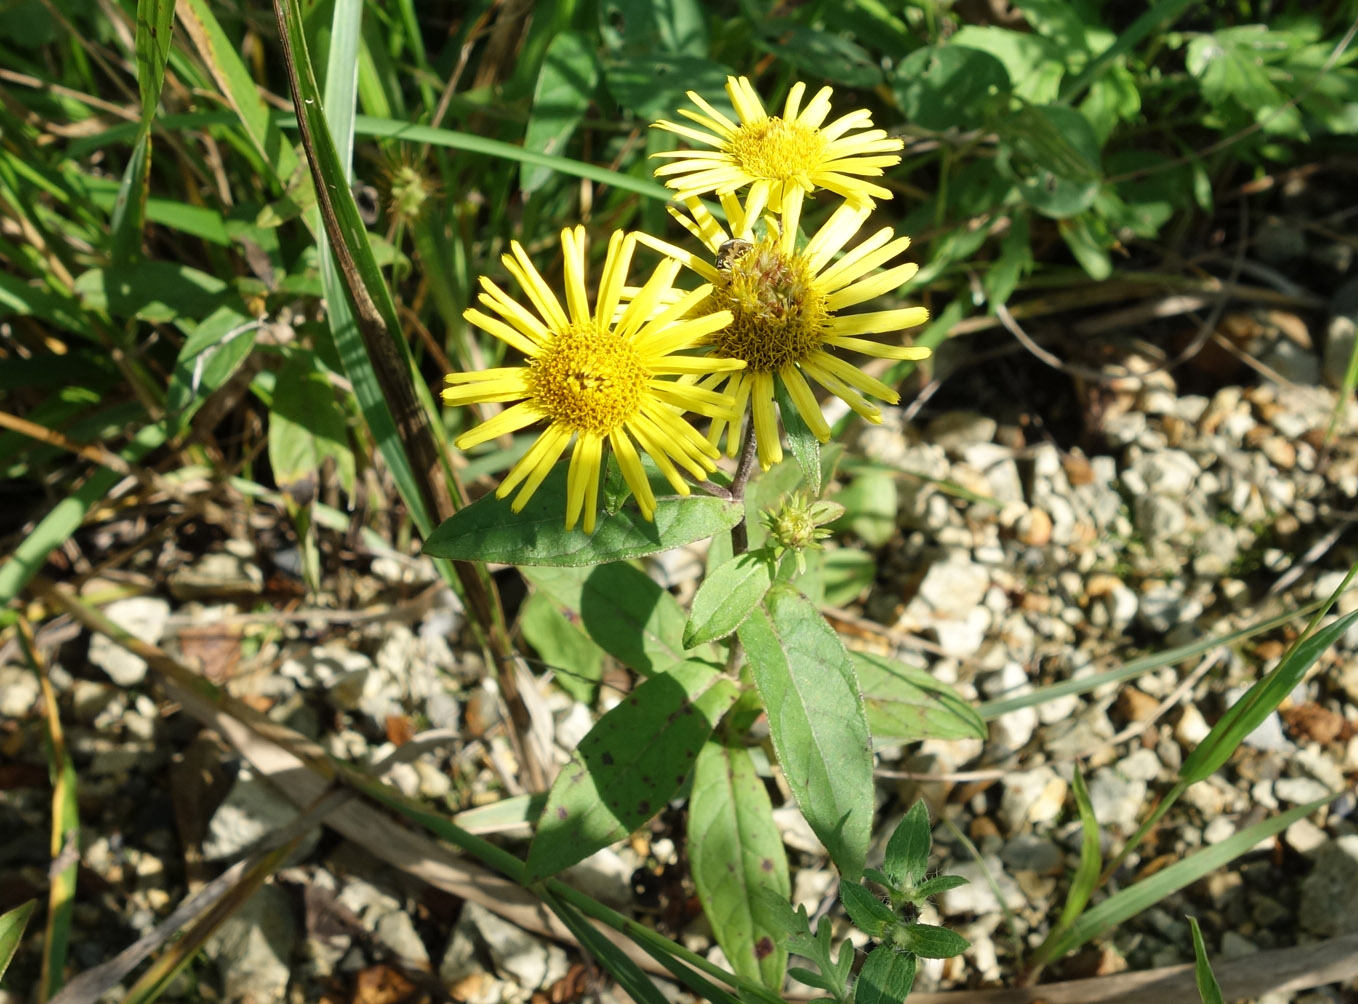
[12, 924]
[1208, 989]
[1131, 901]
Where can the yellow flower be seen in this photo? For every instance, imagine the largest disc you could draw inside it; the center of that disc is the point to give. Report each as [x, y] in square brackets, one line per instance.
[781, 158]
[787, 314]
[597, 376]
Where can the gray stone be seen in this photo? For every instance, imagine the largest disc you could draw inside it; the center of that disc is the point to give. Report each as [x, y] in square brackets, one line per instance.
[1340, 333]
[252, 809]
[1159, 517]
[1171, 472]
[952, 588]
[1292, 362]
[141, 616]
[253, 948]
[19, 691]
[1269, 736]
[1236, 946]
[1031, 796]
[977, 896]
[1117, 800]
[1029, 853]
[1299, 790]
[954, 430]
[233, 571]
[1164, 606]
[998, 466]
[1329, 893]
[529, 960]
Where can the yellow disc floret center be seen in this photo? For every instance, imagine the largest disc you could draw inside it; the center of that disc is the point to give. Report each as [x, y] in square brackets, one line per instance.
[778, 149]
[588, 380]
[777, 316]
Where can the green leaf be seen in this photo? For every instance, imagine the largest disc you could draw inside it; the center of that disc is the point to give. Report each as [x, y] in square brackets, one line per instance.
[1232, 65]
[1091, 855]
[939, 884]
[737, 859]
[155, 21]
[211, 354]
[906, 704]
[868, 913]
[631, 763]
[871, 501]
[726, 597]
[626, 612]
[845, 572]
[801, 440]
[1260, 701]
[1208, 988]
[1053, 154]
[1127, 903]
[950, 86]
[832, 57]
[307, 427]
[1015, 261]
[129, 207]
[929, 942]
[641, 26]
[886, 977]
[1034, 64]
[561, 97]
[563, 645]
[158, 292]
[907, 852]
[12, 924]
[489, 530]
[640, 987]
[1089, 242]
[815, 720]
[653, 85]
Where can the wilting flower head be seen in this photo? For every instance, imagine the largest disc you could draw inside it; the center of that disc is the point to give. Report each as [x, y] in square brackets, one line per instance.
[781, 157]
[787, 313]
[597, 376]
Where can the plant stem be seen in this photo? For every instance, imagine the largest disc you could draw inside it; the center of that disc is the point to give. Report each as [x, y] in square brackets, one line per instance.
[740, 536]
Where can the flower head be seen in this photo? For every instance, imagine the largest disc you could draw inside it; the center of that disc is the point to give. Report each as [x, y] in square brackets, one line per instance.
[787, 318]
[781, 157]
[596, 376]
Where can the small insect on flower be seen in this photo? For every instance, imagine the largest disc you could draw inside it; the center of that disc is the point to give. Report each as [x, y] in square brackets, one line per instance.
[731, 252]
[596, 377]
[789, 317]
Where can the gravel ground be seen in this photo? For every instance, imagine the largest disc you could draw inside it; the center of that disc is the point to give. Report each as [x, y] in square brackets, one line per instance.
[1147, 515]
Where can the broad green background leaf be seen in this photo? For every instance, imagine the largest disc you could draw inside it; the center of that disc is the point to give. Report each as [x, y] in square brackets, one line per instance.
[488, 529]
[1053, 154]
[306, 428]
[625, 611]
[904, 703]
[642, 26]
[736, 855]
[654, 86]
[564, 90]
[1035, 65]
[871, 501]
[821, 54]
[886, 977]
[563, 644]
[726, 597]
[815, 720]
[207, 359]
[158, 292]
[631, 763]
[950, 87]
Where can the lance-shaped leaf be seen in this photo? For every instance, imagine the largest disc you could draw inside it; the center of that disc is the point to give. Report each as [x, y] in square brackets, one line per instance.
[907, 852]
[816, 721]
[631, 763]
[886, 977]
[738, 862]
[727, 596]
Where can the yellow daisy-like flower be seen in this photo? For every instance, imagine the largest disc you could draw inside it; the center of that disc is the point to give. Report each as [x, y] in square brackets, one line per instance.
[781, 157]
[787, 314]
[597, 376]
